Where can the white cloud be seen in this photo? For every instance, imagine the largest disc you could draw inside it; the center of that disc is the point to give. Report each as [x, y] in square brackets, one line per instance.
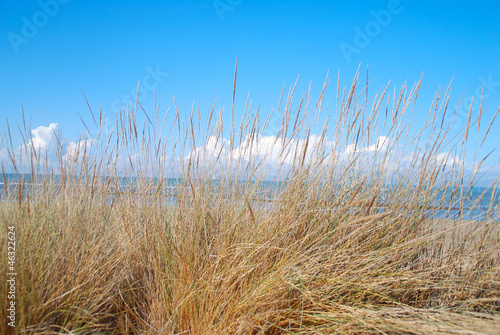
[267, 152]
[259, 147]
[41, 139]
[277, 151]
[274, 151]
[42, 136]
[381, 145]
[76, 150]
[272, 155]
[448, 161]
[215, 148]
[40, 142]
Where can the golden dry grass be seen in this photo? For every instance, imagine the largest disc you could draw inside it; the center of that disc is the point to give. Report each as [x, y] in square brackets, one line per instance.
[335, 251]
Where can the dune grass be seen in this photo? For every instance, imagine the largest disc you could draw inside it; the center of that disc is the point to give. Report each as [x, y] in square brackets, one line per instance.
[345, 245]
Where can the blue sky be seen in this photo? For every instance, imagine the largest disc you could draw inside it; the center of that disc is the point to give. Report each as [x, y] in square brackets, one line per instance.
[51, 50]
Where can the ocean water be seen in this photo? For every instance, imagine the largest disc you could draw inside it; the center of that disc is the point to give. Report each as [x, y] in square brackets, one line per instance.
[475, 202]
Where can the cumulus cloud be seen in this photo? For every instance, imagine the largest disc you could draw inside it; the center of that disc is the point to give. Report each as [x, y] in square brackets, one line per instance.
[381, 145]
[276, 155]
[41, 142]
[42, 136]
[275, 150]
[41, 139]
[268, 152]
[271, 152]
[76, 150]
[447, 160]
[215, 148]
[260, 147]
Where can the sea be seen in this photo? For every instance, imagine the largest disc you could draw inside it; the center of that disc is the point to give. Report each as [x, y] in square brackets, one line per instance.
[478, 203]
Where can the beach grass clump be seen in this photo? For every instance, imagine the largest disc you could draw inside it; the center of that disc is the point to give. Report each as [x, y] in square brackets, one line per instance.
[363, 225]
